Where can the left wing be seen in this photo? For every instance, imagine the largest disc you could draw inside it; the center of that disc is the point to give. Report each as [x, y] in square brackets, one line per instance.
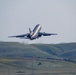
[46, 34]
[20, 36]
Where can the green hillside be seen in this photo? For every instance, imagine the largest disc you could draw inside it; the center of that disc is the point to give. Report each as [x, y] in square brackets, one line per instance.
[68, 51]
[37, 59]
[65, 51]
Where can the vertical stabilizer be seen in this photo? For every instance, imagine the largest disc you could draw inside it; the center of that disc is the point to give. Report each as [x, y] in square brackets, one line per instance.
[29, 30]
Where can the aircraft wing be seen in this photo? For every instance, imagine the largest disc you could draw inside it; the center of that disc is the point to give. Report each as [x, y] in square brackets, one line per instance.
[20, 36]
[46, 34]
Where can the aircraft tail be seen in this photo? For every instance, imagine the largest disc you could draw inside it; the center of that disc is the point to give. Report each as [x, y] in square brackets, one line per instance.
[29, 30]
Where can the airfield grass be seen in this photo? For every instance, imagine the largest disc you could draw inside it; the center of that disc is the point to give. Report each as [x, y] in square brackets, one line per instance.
[37, 59]
[10, 66]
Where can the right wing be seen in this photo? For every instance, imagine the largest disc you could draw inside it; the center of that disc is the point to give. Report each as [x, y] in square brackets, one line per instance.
[46, 34]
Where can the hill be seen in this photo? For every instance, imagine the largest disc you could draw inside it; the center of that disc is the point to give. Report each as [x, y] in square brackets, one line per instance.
[66, 51]
[38, 59]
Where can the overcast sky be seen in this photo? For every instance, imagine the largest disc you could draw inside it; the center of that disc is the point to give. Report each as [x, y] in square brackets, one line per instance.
[55, 16]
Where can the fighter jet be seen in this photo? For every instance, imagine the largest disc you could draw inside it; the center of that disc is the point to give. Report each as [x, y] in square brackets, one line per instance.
[34, 34]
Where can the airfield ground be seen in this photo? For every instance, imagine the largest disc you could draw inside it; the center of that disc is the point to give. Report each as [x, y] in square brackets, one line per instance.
[37, 59]
[36, 67]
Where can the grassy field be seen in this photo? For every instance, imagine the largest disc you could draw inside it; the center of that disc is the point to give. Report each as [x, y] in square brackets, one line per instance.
[36, 67]
[37, 59]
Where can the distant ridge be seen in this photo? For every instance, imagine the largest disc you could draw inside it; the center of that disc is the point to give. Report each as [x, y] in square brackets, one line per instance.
[65, 51]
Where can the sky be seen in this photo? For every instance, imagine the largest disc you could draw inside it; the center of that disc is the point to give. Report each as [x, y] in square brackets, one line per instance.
[55, 16]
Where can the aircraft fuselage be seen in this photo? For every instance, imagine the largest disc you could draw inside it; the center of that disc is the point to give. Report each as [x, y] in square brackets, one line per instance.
[35, 32]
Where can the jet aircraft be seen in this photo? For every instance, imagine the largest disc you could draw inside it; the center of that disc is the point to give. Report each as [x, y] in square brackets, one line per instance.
[34, 34]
